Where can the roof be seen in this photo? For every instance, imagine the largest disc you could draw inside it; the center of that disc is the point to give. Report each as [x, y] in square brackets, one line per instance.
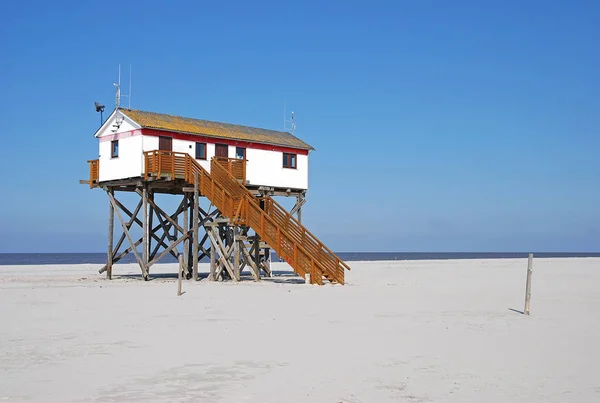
[200, 127]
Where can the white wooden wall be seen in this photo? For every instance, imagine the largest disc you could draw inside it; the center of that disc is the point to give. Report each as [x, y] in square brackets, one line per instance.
[264, 167]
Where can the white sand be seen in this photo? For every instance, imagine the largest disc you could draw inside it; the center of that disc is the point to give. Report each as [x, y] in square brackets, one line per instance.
[398, 331]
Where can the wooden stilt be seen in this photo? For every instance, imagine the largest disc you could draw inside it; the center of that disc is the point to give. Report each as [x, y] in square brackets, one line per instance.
[213, 257]
[299, 198]
[257, 250]
[145, 229]
[176, 219]
[150, 219]
[195, 220]
[186, 243]
[267, 262]
[190, 230]
[111, 222]
[236, 254]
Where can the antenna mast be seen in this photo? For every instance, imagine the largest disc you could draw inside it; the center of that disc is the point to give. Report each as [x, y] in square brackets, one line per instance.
[286, 121]
[118, 85]
[129, 96]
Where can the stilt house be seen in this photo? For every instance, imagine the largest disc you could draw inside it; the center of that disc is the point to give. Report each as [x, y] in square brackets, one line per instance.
[237, 168]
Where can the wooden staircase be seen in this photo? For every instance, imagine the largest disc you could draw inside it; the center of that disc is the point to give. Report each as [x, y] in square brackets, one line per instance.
[224, 187]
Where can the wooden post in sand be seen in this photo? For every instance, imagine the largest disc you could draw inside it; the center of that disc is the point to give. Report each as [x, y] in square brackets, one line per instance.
[179, 276]
[528, 285]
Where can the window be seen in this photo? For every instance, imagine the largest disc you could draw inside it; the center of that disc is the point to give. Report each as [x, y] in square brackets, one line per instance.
[200, 151]
[114, 149]
[165, 143]
[222, 150]
[240, 153]
[289, 160]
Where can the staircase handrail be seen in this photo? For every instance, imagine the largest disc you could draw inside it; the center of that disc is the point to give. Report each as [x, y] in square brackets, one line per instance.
[252, 200]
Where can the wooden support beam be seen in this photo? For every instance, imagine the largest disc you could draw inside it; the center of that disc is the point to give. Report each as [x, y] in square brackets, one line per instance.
[297, 209]
[137, 243]
[267, 262]
[190, 229]
[161, 243]
[160, 214]
[166, 229]
[250, 261]
[165, 233]
[257, 250]
[145, 228]
[213, 256]
[169, 248]
[132, 217]
[236, 254]
[166, 216]
[126, 230]
[224, 254]
[126, 251]
[186, 243]
[195, 227]
[150, 219]
[111, 223]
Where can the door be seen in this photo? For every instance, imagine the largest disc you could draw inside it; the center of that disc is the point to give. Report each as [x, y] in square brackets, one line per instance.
[221, 150]
[165, 143]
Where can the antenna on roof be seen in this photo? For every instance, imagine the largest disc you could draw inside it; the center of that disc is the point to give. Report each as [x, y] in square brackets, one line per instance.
[118, 85]
[286, 120]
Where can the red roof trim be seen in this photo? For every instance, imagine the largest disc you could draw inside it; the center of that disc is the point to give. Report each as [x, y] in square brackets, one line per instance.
[214, 140]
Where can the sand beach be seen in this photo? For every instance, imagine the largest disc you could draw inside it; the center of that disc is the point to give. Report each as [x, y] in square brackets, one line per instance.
[398, 331]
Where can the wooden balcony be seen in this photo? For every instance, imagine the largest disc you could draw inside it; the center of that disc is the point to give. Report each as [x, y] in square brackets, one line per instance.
[174, 165]
[94, 172]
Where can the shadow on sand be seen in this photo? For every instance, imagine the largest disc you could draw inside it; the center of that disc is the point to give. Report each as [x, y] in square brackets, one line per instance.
[280, 277]
[157, 276]
[516, 310]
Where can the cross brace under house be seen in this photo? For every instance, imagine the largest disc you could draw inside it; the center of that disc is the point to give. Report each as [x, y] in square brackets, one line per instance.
[177, 235]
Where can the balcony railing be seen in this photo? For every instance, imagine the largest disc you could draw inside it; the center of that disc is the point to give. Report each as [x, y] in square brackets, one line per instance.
[94, 172]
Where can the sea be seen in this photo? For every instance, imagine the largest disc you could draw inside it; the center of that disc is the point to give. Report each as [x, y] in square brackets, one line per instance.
[99, 258]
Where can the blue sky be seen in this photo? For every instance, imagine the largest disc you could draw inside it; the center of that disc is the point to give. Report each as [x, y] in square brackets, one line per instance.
[438, 126]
